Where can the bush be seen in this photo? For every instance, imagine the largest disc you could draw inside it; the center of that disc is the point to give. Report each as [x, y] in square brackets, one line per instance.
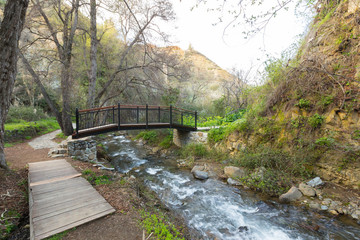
[150, 136]
[316, 120]
[24, 113]
[216, 134]
[303, 103]
[325, 141]
[167, 142]
[194, 150]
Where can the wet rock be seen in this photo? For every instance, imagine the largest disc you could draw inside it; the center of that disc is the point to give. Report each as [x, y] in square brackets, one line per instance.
[315, 182]
[315, 205]
[334, 212]
[356, 215]
[231, 181]
[292, 195]
[323, 207]
[200, 175]
[197, 168]
[327, 201]
[243, 229]
[234, 172]
[307, 190]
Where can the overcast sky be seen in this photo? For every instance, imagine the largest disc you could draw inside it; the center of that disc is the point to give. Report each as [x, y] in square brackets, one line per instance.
[195, 27]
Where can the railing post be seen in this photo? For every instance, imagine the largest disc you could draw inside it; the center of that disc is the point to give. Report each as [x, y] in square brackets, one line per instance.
[77, 122]
[137, 114]
[170, 116]
[113, 109]
[147, 116]
[195, 119]
[182, 120]
[118, 116]
[159, 115]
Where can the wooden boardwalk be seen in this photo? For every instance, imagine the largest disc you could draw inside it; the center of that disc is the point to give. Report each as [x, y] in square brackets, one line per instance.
[59, 199]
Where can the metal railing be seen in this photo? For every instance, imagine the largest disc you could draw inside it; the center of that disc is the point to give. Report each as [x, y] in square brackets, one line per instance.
[129, 116]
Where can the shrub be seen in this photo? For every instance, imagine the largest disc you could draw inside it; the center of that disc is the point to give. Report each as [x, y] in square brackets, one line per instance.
[16, 114]
[167, 141]
[303, 103]
[316, 120]
[325, 141]
[150, 136]
[326, 100]
[194, 150]
[216, 134]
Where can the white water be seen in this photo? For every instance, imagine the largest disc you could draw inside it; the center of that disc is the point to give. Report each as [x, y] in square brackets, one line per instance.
[216, 210]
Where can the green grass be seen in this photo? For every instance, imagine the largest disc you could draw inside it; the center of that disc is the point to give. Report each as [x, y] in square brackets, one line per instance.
[159, 226]
[150, 136]
[47, 125]
[61, 135]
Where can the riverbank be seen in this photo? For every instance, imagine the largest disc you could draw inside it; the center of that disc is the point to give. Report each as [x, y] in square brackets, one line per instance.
[134, 204]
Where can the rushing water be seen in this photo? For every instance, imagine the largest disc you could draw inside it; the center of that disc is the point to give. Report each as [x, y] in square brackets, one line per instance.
[217, 210]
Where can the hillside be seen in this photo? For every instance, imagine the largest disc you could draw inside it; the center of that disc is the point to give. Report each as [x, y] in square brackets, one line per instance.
[205, 79]
[305, 121]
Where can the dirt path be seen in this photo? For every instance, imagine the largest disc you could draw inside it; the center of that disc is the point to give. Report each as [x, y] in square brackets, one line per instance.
[124, 224]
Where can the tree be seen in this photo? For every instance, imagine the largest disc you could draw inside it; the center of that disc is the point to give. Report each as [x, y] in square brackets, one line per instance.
[10, 31]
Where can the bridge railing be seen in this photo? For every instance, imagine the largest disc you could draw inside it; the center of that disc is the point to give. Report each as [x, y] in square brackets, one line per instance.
[123, 116]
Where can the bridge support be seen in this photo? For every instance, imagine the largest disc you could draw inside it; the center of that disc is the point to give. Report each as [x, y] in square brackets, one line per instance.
[182, 138]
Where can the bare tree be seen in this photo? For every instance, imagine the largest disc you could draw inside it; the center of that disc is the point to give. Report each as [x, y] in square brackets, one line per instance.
[93, 53]
[10, 31]
[237, 89]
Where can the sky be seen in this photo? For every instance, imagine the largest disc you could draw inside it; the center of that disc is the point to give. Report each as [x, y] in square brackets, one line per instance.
[231, 50]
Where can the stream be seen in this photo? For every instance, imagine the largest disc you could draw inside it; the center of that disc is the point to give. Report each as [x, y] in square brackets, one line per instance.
[216, 210]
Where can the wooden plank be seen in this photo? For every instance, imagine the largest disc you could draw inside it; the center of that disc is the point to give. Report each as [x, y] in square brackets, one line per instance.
[49, 224]
[55, 179]
[74, 224]
[51, 174]
[49, 212]
[54, 197]
[55, 186]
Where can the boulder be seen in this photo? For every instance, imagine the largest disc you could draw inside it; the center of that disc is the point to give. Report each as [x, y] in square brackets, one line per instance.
[315, 182]
[315, 205]
[234, 172]
[200, 175]
[231, 181]
[197, 168]
[307, 190]
[292, 195]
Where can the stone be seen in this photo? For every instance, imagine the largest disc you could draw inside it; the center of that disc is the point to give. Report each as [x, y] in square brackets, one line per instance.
[200, 175]
[292, 195]
[356, 215]
[234, 172]
[327, 201]
[231, 181]
[155, 150]
[197, 168]
[323, 207]
[314, 205]
[315, 182]
[92, 157]
[306, 190]
[334, 212]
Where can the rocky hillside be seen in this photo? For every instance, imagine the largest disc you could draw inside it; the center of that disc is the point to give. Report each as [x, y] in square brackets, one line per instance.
[205, 80]
[309, 111]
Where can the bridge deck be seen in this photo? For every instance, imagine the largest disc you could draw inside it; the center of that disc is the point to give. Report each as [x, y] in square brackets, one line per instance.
[59, 199]
[115, 127]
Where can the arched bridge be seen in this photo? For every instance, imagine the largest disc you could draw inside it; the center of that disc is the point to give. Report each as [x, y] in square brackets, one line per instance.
[130, 117]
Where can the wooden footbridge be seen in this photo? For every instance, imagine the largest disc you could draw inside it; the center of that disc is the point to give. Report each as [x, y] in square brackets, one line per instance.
[130, 117]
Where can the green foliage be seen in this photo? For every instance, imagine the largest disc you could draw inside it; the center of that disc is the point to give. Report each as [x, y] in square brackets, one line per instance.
[326, 100]
[60, 236]
[218, 107]
[94, 179]
[24, 113]
[150, 136]
[303, 103]
[171, 96]
[216, 134]
[161, 228]
[8, 221]
[61, 135]
[298, 122]
[325, 141]
[316, 120]
[241, 125]
[356, 135]
[167, 141]
[194, 150]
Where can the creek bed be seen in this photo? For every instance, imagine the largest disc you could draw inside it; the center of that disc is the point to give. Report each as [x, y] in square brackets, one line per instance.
[216, 210]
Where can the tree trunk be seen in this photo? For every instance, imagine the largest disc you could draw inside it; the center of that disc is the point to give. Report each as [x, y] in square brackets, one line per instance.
[66, 88]
[93, 52]
[10, 30]
[53, 106]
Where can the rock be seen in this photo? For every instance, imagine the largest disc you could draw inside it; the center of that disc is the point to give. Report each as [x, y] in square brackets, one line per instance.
[356, 215]
[243, 229]
[323, 207]
[234, 172]
[307, 190]
[231, 181]
[292, 195]
[334, 212]
[327, 201]
[197, 168]
[315, 182]
[314, 205]
[200, 175]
